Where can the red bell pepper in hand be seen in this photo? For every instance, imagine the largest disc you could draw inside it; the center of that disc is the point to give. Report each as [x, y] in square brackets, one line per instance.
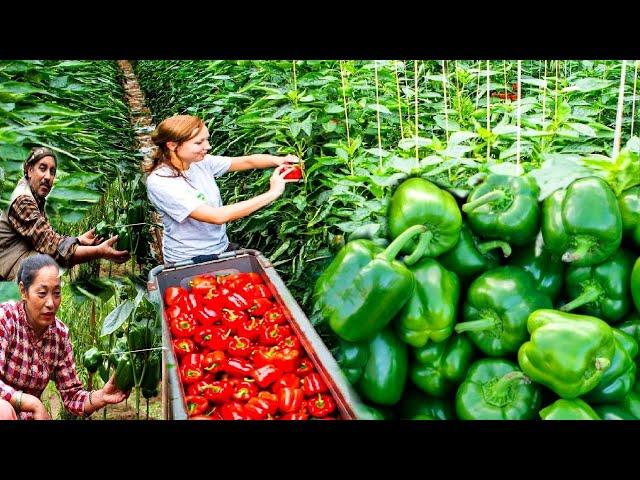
[183, 346]
[238, 367]
[219, 391]
[196, 404]
[321, 406]
[259, 306]
[266, 375]
[214, 362]
[313, 384]
[290, 399]
[275, 315]
[244, 390]
[183, 327]
[239, 347]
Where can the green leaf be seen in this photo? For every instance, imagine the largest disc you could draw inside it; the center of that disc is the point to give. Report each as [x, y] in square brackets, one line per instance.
[70, 194]
[459, 137]
[409, 143]
[280, 250]
[116, 317]
[583, 129]
[334, 108]
[590, 84]
[9, 291]
[50, 109]
[406, 165]
[378, 108]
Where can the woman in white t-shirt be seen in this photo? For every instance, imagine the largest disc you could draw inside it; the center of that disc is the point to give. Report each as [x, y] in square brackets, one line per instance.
[181, 186]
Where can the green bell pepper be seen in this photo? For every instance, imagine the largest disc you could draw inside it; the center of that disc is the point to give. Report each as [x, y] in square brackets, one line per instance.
[470, 257]
[416, 405]
[364, 287]
[505, 207]
[152, 371]
[124, 238]
[439, 367]
[601, 290]
[103, 230]
[635, 283]
[631, 326]
[385, 374]
[546, 271]
[352, 358]
[92, 359]
[140, 333]
[368, 412]
[629, 204]
[564, 409]
[613, 412]
[124, 373]
[495, 389]
[582, 224]
[135, 212]
[567, 353]
[617, 380]
[431, 311]
[419, 202]
[497, 307]
[631, 402]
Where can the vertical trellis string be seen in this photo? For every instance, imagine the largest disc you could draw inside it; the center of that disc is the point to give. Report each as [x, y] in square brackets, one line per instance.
[620, 109]
[415, 84]
[346, 114]
[633, 102]
[395, 69]
[518, 115]
[375, 69]
[488, 109]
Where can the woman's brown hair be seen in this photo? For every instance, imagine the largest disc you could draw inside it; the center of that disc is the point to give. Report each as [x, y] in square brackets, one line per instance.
[179, 129]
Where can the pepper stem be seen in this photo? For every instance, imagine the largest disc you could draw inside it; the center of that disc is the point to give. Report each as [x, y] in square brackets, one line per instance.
[475, 325]
[394, 248]
[588, 295]
[418, 252]
[578, 253]
[602, 363]
[486, 246]
[484, 199]
[501, 386]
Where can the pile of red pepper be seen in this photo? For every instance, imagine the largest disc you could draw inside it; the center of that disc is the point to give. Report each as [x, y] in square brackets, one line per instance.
[238, 357]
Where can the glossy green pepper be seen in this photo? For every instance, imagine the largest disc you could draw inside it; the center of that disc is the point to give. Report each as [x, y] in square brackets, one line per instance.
[635, 283]
[497, 307]
[631, 326]
[582, 224]
[135, 212]
[140, 334]
[124, 238]
[368, 412]
[538, 261]
[617, 380]
[567, 353]
[629, 204]
[152, 371]
[495, 389]
[506, 208]
[419, 202]
[564, 409]
[431, 311]
[601, 290]
[470, 257]
[385, 374]
[92, 359]
[439, 367]
[103, 230]
[352, 357]
[416, 405]
[124, 373]
[631, 403]
[613, 412]
[364, 287]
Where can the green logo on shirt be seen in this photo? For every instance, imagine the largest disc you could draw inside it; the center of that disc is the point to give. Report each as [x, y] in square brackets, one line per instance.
[201, 196]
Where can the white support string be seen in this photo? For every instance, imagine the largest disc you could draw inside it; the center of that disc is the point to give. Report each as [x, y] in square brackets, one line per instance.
[444, 88]
[633, 102]
[488, 108]
[518, 115]
[415, 96]
[395, 69]
[618, 131]
[375, 67]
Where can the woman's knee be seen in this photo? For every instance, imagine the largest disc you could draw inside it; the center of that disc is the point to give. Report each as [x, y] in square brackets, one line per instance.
[6, 411]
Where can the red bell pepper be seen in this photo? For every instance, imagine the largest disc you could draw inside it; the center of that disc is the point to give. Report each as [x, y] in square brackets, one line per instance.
[203, 284]
[252, 291]
[291, 341]
[249, 329]
[239, 347]
[238, 367]
[206, 316]
[232, 318]
[183, 327]
[259, 306]
[290, 399]
[313, 384]
[271, 400]
[257, 408]
[196, 404]
[305, 367]
[175, 295]
[192, 359]
[183, 346]
[321, 406]
[263, 355]
[233, 411]
[244, 390]
[236, 301]
[287, 359]
[266, 375]
[275, 315]
[198, 388]
[212, 338]
[287, 380]
[219, 391]
[214, 362]
[273, 334]
[191, 373]
[295, 416]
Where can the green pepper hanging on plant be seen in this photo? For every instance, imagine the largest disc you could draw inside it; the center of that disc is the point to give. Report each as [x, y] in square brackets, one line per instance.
[601, 290]
[364, 287]
[419, 202]
[506, 208]
[497, 307]
[582, 224]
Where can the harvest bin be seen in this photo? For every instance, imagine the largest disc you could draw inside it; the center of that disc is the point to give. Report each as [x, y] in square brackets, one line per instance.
[245, 260]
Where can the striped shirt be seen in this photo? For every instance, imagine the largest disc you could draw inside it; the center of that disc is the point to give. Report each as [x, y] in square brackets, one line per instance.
[28, 363]
[26, 217]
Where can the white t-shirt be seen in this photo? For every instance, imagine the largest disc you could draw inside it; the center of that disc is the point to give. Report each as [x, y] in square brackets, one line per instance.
[176, 197]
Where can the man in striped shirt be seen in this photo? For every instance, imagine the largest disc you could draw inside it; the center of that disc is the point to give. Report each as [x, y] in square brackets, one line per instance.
[35, 348]
[25, 228]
